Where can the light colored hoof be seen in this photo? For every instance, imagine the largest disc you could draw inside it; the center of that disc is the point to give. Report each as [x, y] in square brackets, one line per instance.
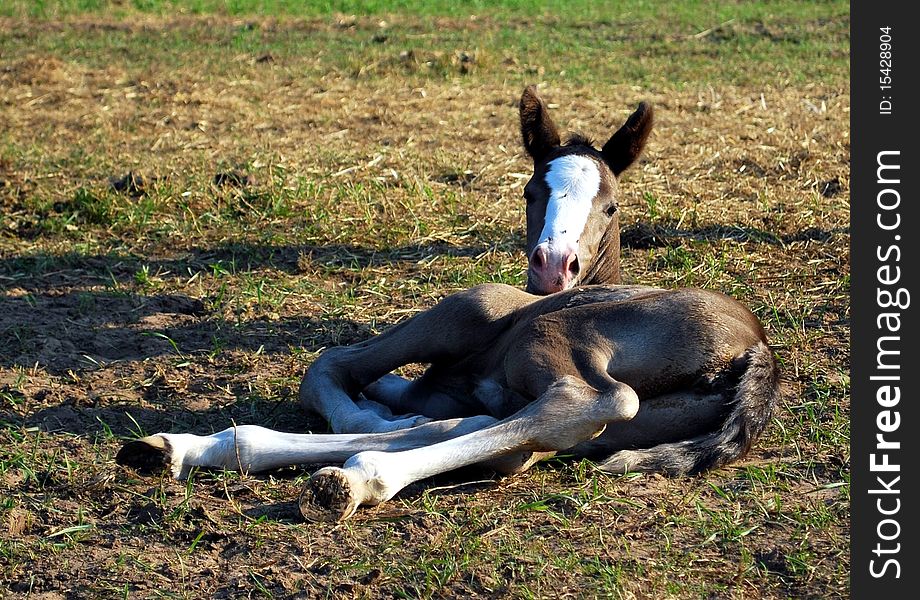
[148, 456]
[328, 497]
[398, 423]
[408, 422]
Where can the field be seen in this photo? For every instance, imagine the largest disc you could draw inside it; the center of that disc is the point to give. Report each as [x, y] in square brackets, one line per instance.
[199, 197]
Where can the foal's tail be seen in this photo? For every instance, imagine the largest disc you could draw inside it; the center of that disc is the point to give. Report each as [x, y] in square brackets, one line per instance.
[756, 393]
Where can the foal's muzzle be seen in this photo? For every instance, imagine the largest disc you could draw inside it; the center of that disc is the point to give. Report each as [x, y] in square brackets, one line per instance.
[552, 269]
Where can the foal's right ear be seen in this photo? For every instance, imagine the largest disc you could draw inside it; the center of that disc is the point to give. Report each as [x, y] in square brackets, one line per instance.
[537, 128]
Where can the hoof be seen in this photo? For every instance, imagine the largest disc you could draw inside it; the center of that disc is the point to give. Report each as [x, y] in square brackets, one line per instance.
[148, 456]
[327, 497]
[400, 423]
[410, 421]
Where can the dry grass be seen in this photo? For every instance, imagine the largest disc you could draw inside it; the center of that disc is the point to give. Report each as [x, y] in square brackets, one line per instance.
[272, 214]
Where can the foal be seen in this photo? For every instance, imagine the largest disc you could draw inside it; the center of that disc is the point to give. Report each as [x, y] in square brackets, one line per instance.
[638, 378]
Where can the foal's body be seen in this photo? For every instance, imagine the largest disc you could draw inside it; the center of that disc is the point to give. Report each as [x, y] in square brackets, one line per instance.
[639, 378]
[604, 372]
[494, 350]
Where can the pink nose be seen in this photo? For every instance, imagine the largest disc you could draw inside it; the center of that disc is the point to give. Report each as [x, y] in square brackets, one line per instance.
[551, 271]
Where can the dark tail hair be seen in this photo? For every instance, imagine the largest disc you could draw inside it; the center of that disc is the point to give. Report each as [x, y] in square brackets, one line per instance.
[756, 394]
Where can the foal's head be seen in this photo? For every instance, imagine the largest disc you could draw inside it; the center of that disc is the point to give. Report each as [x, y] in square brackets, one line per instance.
[573, 232]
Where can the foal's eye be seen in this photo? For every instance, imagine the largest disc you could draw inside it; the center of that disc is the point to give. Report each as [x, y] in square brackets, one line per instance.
[610, 209]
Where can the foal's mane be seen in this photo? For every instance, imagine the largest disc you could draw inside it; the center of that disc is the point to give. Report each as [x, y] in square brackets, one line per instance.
[578, 139]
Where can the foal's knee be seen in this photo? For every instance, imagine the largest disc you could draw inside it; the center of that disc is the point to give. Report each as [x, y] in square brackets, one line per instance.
[622, 402]
[326, 373]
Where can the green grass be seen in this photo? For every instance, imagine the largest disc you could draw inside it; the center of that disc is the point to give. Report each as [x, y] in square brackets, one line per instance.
[745, 43]
[686, 12]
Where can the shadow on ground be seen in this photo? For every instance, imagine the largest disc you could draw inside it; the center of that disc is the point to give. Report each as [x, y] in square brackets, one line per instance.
[643, 236]
[42, 271]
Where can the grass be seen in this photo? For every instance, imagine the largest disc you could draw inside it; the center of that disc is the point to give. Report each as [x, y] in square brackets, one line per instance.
[199, 197]
[752, 43]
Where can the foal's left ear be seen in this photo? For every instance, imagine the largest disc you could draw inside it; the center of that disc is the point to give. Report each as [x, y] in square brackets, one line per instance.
[537, 127]
[625, 146]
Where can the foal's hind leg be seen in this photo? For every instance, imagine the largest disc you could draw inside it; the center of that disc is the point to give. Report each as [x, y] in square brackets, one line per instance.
[395, 398]
[667, 426]
[455, 328]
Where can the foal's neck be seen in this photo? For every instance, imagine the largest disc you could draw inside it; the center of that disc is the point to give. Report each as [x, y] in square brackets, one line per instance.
[605, 268]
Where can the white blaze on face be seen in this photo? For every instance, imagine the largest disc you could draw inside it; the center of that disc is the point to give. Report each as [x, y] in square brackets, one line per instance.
[573, 182]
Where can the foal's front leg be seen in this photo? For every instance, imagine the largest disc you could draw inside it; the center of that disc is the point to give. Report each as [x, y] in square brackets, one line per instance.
[452, 330]
[569, 412]
[250, 448]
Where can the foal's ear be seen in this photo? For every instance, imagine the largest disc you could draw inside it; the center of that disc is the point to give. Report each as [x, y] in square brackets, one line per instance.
[625, 146]
[537, 128]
